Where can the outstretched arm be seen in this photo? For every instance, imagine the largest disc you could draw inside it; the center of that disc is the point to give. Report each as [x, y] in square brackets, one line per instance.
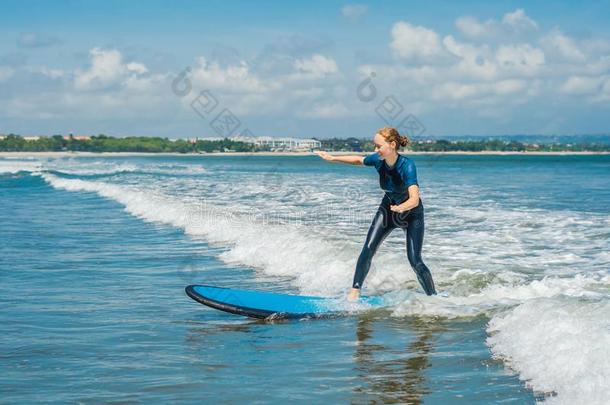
[352, 160]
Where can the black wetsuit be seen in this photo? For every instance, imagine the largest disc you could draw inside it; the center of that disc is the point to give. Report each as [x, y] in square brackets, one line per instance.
[395, 181]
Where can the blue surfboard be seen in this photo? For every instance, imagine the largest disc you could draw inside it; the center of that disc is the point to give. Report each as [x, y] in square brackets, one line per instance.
[262, 305]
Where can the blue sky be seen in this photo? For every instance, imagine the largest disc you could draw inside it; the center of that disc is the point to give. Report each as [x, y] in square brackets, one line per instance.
[294, 68]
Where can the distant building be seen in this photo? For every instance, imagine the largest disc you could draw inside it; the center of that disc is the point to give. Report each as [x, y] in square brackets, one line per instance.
[273, 143]
[78, 137]
[31, 138]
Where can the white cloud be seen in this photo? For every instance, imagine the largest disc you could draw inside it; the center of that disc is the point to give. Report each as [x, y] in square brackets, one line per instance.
[471, 27]
[113, 87]
[476, 61]
[52, 73]
[233, 78]
[137, 68]
[309, 92]
[318, 66]
[353, 12]
[509, 86]
[497, 67]
[522, 58]
[512, 23]
[477, 92]
[143, 84]
[107, 87]
[579, 85]
[248, 92]
[405, 75]
[455, 91]
[518, 19]
[411, 41]
[106, 69]
[47, 72]
[108, 72]
[505, 63]
[563, 46]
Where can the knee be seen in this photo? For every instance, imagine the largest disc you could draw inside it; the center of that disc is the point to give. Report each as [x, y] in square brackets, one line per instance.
[418, 266]
[414, 261]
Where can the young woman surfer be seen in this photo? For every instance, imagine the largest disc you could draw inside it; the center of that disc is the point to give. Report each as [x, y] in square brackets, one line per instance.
[400, 207]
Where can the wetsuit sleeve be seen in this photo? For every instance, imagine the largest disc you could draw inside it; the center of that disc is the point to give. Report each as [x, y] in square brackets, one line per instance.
[409, 174]
[372, 160]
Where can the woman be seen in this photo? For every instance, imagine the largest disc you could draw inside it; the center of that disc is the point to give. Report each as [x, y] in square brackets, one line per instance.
[400, 207]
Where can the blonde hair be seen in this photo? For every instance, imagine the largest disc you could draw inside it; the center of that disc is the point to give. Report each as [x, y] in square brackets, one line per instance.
[391, 135]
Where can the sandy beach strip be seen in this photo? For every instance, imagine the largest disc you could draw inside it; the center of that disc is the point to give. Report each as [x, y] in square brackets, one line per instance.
[216, 154]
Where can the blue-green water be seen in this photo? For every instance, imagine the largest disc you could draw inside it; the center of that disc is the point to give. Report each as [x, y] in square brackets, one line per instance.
[96, 251]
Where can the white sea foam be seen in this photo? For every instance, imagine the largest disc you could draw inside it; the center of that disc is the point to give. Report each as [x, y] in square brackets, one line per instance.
[91, 167]
[501, 295]
[558, 345]
[14, 166]
[88, 167]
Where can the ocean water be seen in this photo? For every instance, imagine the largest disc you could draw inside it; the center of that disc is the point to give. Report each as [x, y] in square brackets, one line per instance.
[96, 252]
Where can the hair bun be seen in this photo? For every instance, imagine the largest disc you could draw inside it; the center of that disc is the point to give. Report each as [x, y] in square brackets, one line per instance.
[391, 135]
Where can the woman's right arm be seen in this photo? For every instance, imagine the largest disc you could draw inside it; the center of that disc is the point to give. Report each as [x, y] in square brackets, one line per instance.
[352, 160]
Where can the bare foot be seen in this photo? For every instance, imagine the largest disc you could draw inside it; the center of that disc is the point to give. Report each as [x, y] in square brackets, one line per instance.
[354, 294]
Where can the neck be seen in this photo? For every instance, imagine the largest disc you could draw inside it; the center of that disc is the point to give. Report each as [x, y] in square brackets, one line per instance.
[391, 160]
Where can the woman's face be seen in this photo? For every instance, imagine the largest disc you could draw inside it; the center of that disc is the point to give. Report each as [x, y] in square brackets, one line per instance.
[382, 147]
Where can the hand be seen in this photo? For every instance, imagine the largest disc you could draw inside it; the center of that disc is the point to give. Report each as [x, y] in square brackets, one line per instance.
[398, 208]
[325, 156]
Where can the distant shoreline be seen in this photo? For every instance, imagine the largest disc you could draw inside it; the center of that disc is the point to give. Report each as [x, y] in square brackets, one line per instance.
[217, 154]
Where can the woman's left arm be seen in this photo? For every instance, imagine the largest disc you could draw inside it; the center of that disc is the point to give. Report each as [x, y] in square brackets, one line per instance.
[412, 201]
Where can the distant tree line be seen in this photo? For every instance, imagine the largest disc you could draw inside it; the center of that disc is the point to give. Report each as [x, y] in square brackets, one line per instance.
[496, 145]
[491, 145]
[103, 143]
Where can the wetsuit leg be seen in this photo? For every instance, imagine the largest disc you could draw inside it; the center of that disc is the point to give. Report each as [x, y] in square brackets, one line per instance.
[415, 238]
[380, 228]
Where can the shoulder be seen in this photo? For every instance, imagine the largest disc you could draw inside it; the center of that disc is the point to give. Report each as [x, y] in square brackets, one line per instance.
[405, 163]
[372, 160]
[407, 170]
